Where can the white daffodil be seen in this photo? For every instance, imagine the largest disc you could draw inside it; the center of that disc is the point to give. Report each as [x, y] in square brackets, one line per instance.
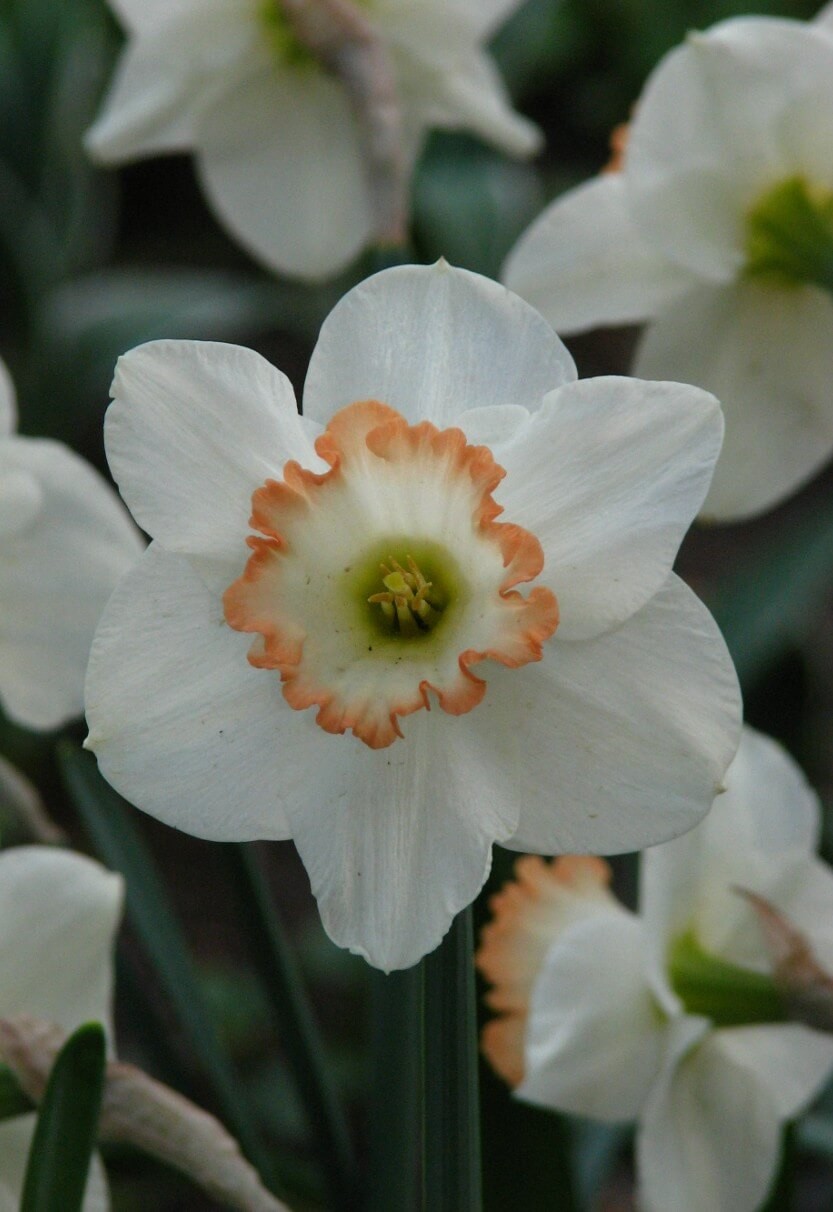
[278, 146]
[65, 540]
[719, 231]
[59, 913]
[288, 696]
[671, 1016]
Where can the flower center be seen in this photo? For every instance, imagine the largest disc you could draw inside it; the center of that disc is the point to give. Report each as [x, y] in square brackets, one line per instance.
[412, 591]
[789, 235]
[352, 589]
[729, 995]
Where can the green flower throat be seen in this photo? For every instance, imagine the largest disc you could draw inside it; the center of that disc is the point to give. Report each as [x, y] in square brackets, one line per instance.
[789, 235]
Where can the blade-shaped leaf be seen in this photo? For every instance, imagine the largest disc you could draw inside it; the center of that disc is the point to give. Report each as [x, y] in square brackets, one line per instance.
[67, 1126]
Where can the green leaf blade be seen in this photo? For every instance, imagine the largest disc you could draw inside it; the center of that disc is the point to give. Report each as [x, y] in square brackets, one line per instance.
[67, 1125]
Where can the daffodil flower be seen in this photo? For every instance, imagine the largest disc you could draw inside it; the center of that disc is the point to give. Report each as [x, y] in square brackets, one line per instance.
[718, 231]
[59, 913]
[454, 623]
[278, 147]
[65, 540]
[670, 1016]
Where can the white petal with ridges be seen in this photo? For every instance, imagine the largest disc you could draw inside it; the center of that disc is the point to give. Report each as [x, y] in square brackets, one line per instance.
[59, 566]
[399, 840]
[767, 354]
[194, 428]
[608, 476]
[711, 1135]
[615, 743]
[433, 341]
[594, 1037]
[181, 724]
[281, 160]
[172, 65]
[59, 913]
[582, 263]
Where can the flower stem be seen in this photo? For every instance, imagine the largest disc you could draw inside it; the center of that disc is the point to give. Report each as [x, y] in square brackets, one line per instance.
[451, 1133]
[396, 1104]
[304, 1048]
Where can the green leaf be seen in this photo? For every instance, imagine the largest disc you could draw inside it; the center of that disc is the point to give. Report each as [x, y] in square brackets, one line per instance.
[471, 203]
[109, 822]
[12, 1099]
[67, 1125]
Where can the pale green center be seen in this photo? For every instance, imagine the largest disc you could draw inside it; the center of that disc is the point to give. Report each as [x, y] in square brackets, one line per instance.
[789, 235]
[406, 589]
[284, 44]
[729, 995]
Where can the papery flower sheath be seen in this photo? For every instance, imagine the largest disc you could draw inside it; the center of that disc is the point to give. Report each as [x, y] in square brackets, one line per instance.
[454, 622]
[717, 229]
[65, 541]
[59, 913]
[670, 1016]
[278, 146]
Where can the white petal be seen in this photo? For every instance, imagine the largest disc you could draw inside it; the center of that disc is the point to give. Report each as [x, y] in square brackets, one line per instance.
[432, 342]
[15, 1142]
[619, 742]
[582, 262]
[594, 1038]
[143, 16]
[767, 354]
[431, 25]
[177, 58]
[195, 427]
[398, 840]
[807, 901]
[8, 407]
[608, 475]
[825, 17]
[759, 835]
[181, 724]
[469, 95]
[59, 913]
[792, 1061]
[281, 160]
[710, 1139]
[59, 566]
[705, 141]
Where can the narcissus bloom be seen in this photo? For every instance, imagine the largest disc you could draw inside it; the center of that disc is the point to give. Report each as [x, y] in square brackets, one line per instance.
[397, 672]
[65, 540]
[278, 147]
[671, 1016]
[59, 913]
[718, 229]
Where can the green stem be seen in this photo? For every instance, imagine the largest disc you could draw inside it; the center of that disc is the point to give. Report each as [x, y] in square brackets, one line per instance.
[451, 1134]
[303, 1046]
[396, 1105]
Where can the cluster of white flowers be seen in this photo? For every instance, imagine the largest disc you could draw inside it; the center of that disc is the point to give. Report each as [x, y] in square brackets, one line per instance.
[717, 227]
[668, 1015]
[435, 610]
